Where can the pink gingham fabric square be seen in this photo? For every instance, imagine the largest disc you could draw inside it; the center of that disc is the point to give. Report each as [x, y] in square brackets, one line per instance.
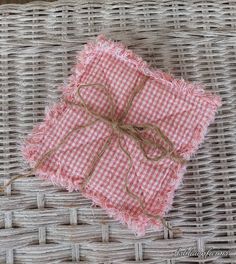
[181, 109]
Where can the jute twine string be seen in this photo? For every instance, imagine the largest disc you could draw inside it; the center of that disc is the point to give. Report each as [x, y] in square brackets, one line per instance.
[119, 129]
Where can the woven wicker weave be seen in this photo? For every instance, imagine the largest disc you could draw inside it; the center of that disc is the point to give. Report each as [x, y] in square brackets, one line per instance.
[41, 223]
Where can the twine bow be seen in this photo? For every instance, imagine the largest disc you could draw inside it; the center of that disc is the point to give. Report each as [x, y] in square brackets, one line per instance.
[119, 129]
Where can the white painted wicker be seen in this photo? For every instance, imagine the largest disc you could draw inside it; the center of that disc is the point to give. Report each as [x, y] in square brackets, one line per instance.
[196, 40]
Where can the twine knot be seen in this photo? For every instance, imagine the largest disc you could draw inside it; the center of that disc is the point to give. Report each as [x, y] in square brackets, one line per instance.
[115, 126]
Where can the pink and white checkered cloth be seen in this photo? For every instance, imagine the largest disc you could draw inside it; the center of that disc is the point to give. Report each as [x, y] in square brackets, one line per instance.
[182, 110]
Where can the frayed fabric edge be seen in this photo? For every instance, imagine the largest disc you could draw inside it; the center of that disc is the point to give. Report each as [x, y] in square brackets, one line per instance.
[137, 223]
[120, 51]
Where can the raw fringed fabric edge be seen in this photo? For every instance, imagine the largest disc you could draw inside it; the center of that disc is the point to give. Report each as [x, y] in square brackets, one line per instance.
[120, 51]
[137, 223]
[29, 147]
